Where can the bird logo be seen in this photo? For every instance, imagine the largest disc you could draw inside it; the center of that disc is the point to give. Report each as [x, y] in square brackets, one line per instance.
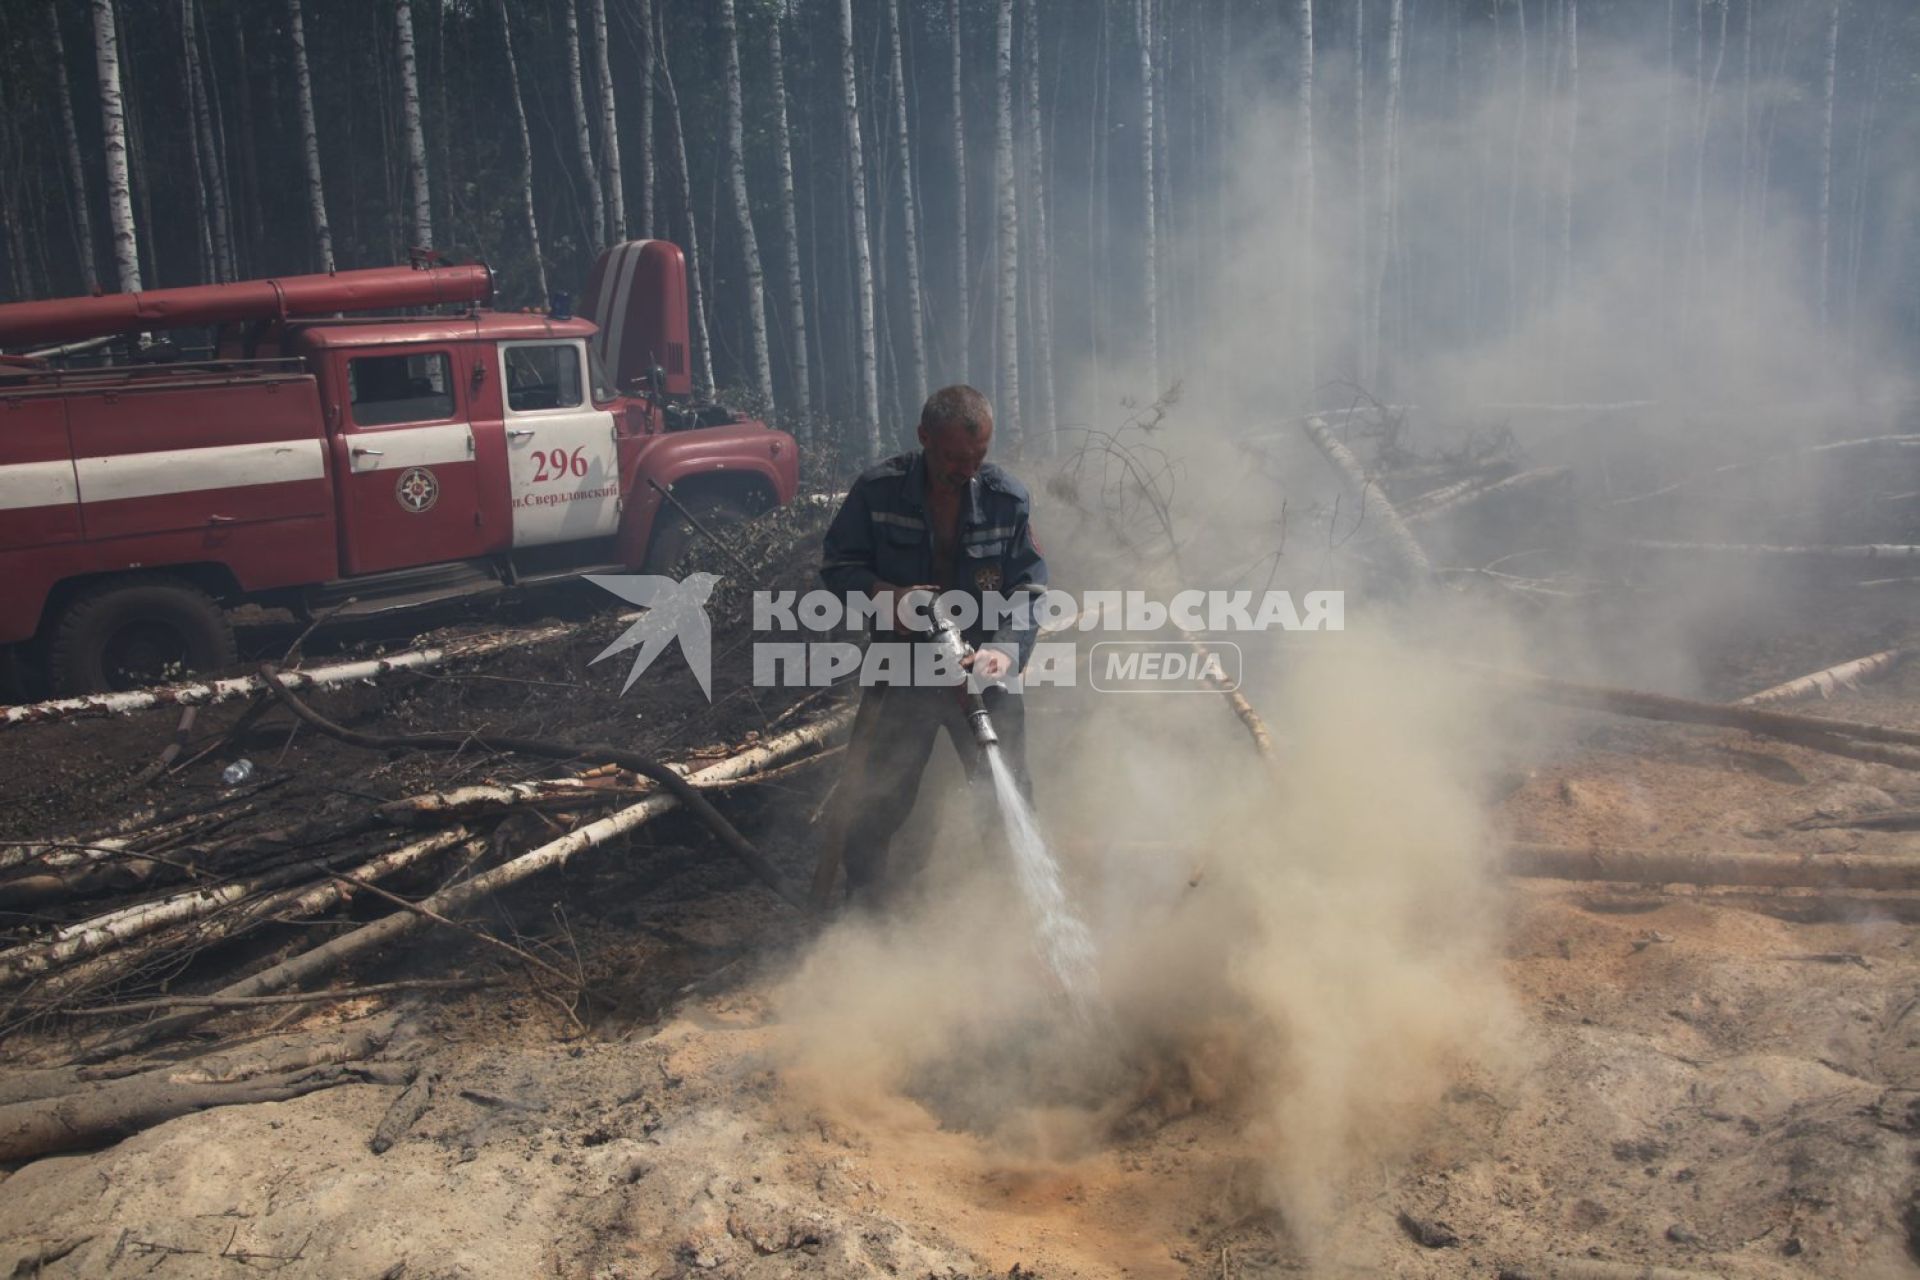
[672, 609]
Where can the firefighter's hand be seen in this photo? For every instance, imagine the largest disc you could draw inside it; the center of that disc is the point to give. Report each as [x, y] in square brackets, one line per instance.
[988, 664]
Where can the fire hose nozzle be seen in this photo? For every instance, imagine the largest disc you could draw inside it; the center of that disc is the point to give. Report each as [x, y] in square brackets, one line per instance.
[947, 636]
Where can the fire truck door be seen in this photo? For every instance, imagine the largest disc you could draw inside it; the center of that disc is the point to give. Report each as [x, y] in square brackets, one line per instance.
[561, 460]
[410, 485]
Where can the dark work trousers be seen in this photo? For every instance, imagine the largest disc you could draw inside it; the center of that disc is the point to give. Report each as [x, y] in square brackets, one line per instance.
[909, 719]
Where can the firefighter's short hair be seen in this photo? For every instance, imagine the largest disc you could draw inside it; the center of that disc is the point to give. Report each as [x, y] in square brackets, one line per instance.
[957, 406]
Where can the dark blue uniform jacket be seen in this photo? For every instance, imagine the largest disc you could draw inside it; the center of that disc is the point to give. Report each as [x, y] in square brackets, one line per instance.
[882, 534]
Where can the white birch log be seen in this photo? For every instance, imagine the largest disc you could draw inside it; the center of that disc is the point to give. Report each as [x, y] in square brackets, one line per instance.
[867, 402]
[419, 192]
[70, 156]
[594, 206]
[1410, 559]
[790, 226]
[309, 137]
[761, 363]
[1007, 238]
[526, 149]
[1874, 551]
[1475, 494]
[910, 212]
[325, 958]
[115, 929]
[204, 693]
[609, 127]
[1846, 675]
[113, 122]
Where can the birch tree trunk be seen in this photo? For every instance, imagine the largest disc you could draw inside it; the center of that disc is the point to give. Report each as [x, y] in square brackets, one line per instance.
[1007, 239]
[113, 119]
[1825, 233]
[309, 137]
[910, 211]
[1040, 260]
[595, 203]
[702, 344]
[609, 127]
[1566, 190]
[76, 168]
[1390, 186]
[1362, 184]
[648, 170]
[1513, 176]
[743, 208]
[1746, 145]
[1703, 121]
[963, 293]
[1150, 250]
[212, 174]
[1308, 249]
[868, 354]
[526, 149]
[789, 222]
[420, 192]
[208, 264]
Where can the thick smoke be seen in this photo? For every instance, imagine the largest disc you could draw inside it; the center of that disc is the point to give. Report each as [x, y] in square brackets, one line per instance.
[1335, 967]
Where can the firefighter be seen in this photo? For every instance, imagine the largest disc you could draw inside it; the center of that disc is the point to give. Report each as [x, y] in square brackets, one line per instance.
[939, 518]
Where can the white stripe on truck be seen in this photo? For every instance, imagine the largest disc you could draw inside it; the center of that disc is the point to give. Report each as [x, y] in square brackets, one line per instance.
[38, 484]
[167, 471]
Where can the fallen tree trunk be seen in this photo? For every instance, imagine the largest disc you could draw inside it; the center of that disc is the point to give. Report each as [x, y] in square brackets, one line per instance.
[1410, 559]
[1869, 551]
[403, 1112]
[113, 1110]
[29, 1130]
[204, 693]
[323, 959]
[115, 965]
[1846, 675]
[646, 766]
[1472, 496]
[116, 929]
[1901, 442]
[1852, 738]
[1747, 870]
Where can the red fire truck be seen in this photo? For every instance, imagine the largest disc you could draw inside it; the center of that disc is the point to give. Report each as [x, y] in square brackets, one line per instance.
[316, 456]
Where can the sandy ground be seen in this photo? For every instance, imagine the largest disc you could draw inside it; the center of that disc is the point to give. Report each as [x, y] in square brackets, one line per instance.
[1719, 1083]
[1714, 1082]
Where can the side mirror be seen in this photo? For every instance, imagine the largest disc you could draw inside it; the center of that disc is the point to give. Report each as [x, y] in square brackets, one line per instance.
[657, 381]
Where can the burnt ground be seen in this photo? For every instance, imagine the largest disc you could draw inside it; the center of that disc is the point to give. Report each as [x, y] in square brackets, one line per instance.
[1718, 1082]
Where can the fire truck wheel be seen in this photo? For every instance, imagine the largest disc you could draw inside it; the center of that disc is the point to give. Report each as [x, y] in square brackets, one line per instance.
[133, 632]
[674, 535]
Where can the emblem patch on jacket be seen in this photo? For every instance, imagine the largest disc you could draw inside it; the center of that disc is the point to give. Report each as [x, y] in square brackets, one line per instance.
[986, 578]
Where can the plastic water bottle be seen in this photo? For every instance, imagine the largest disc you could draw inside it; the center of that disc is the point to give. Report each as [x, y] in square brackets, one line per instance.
[236, 773]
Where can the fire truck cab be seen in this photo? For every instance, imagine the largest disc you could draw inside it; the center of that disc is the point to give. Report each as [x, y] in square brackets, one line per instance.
[347, 465]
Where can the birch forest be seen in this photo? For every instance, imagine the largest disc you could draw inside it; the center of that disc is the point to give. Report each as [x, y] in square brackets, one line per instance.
[1070, 204]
